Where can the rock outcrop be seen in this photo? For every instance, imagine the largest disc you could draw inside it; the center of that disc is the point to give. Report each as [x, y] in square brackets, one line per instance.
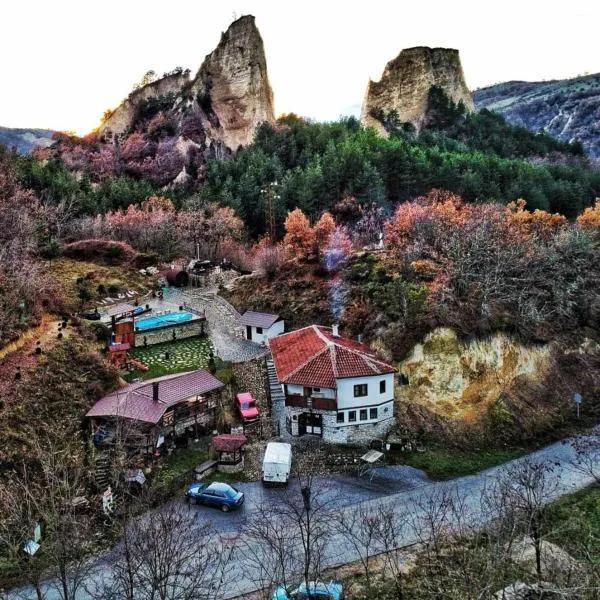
[233, 86]
[230, 95]
[123, 118]
[166, 131]
[464, 379]
[405, 84]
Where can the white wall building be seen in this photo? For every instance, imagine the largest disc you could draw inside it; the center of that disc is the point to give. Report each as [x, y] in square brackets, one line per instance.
[334, 387]
[260, 327]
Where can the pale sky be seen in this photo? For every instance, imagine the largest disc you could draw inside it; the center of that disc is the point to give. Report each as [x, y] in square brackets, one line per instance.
[66, 61]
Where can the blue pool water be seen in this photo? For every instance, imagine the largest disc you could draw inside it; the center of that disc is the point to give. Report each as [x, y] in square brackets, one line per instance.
[163, 320]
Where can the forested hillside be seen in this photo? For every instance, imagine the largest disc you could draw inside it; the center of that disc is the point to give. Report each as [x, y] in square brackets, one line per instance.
[566, 109]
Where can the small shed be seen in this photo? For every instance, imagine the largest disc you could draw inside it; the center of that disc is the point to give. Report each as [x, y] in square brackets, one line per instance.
[260, 327]
[177, 277]
[229, 447]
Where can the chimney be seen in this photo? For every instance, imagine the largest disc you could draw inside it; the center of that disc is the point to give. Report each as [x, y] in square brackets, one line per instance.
[359, 338]
[155, 391]
[334, 330]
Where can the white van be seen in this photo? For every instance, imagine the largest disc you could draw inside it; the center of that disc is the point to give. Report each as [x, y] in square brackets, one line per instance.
[277, 464]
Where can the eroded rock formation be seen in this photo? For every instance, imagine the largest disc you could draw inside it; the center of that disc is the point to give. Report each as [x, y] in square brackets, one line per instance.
[233, 85]
[405, 84]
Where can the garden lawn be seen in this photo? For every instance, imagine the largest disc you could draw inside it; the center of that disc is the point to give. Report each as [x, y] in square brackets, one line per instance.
[172, 357]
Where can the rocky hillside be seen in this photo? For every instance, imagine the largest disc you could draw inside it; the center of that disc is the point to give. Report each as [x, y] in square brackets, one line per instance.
[24, 140]
[405, 84]
[566, 109]
[165, 131]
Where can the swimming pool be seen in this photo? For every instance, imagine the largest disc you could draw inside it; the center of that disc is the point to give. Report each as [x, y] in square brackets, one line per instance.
[163, 320]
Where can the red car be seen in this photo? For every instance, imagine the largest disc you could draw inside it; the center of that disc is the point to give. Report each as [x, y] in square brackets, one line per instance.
[247, 407]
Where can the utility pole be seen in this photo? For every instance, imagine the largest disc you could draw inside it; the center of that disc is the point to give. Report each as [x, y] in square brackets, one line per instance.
[269, 192]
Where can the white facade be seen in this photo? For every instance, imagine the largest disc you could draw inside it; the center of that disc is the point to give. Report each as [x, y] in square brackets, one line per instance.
[365, 409]
[319, 392]
[260, 335]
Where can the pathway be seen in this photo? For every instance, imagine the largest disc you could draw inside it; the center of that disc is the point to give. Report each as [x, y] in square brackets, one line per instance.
[409, 494]
[223, 321]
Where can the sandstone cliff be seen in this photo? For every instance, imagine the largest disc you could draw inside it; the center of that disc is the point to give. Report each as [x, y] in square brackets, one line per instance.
[166, 131]
[230, 94]
[405, 84]
[123, 118]
[233, 85]
[464, 379]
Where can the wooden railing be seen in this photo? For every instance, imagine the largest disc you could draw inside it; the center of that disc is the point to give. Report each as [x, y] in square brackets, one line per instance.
[300, 401]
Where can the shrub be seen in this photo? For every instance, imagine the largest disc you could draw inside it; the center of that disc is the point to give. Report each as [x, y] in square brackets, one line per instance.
[106, 251]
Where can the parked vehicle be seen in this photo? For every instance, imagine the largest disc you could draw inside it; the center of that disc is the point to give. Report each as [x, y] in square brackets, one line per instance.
[277, 464]
[220, 495]
[90, 315]
[247, 407]
[315, 590]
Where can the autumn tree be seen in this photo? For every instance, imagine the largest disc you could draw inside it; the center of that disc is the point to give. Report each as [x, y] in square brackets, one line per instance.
[590, 218]
[299, 239]
[322, 232]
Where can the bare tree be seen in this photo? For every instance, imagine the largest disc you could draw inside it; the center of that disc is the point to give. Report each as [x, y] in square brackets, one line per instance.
[168, 555]
[294, 536]
[361, 527]
[50, 493]
[527, 487]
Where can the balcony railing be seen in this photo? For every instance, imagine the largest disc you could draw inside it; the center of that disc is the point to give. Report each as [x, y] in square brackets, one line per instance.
[300, 401]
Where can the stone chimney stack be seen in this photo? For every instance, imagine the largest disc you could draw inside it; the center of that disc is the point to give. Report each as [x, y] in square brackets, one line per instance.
[335, 330]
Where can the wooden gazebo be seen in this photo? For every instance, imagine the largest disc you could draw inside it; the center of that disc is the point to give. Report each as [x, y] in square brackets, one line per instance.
[230, 447]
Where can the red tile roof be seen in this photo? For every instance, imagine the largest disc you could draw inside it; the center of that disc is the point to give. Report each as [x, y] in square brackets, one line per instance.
[228, 442]
[314, 357]
[136, 402]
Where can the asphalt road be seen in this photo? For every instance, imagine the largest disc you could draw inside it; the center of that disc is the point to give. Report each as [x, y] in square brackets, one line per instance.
[404, 490]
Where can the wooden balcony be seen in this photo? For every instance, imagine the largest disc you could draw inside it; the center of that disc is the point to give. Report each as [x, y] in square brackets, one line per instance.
[300, 401]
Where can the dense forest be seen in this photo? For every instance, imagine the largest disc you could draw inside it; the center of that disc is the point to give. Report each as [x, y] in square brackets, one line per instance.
[314, 166]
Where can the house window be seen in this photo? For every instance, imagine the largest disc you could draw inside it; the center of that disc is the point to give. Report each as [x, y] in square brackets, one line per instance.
[382, 386]
[351, 416]
[372, 413]
[363, 414]
[340, 417]
[259, 330]
[361, 389]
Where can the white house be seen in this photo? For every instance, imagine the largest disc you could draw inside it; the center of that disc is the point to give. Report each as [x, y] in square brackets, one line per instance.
[260, 327]
[334, 387]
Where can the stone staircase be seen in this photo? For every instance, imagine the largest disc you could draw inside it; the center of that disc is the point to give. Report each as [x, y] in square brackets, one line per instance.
[102, 468]
[278, 410]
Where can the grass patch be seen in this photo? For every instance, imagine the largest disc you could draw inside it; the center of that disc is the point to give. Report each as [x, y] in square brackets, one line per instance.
[178, 464]
[574, 523]
[447, 463]
[171, 357]
[66, 272]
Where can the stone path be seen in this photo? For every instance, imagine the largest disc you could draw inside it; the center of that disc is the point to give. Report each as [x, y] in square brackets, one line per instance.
[223, 321]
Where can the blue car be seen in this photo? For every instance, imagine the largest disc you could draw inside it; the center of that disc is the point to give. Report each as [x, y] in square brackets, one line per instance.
[316, 590]
[220, 495]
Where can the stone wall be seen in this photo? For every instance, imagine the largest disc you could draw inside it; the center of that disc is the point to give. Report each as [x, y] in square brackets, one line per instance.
[189, 329]
[361, 433]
